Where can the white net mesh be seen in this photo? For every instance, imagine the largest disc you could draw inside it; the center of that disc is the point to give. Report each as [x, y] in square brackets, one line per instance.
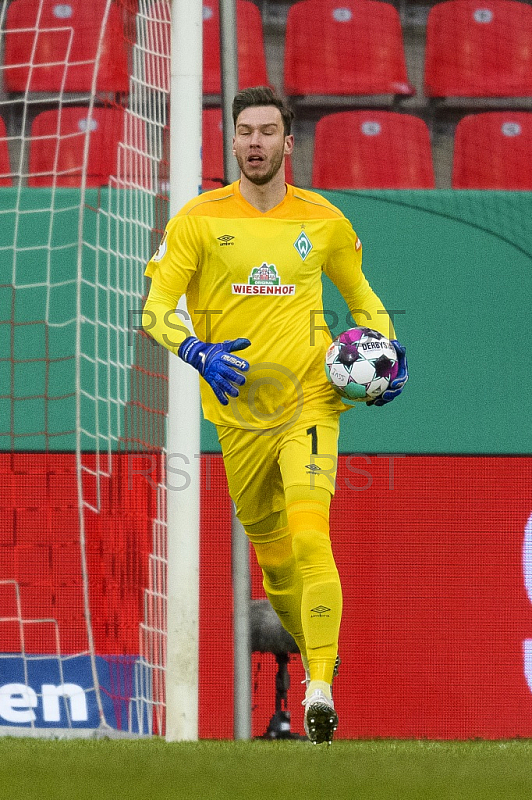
[87, 391]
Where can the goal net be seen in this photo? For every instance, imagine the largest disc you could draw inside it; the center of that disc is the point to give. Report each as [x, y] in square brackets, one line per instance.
[82, 598]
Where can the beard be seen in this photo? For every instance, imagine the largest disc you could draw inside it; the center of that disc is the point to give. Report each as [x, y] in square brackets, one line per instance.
[261, 180]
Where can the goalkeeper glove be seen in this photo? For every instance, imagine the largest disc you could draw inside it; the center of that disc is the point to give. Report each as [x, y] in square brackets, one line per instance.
[396, 386]
[216, 364]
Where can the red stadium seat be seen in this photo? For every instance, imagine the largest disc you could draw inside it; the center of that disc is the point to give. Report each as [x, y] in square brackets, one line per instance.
[51, 46]
[212, 149]
[344, 48]
[477, 48]
[117, 148]
[493, 150]
[372, 150]
[212, 153]
[5, 166]
[250, 46]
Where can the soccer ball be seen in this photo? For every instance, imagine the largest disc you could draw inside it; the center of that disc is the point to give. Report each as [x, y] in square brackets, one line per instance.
[361, 363]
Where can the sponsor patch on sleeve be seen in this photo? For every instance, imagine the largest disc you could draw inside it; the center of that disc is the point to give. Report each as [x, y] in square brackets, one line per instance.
[161, 250]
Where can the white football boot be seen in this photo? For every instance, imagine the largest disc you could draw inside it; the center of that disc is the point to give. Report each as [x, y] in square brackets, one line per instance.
[321, 719]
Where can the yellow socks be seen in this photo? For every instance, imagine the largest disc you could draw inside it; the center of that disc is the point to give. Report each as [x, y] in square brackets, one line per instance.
[321, 599]
[300, 577]
[281, 580]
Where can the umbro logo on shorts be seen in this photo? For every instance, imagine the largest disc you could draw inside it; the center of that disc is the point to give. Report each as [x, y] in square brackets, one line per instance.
[319, 611]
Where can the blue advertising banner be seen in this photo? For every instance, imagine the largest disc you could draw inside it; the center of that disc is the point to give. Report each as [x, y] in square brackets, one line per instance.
[41, 691]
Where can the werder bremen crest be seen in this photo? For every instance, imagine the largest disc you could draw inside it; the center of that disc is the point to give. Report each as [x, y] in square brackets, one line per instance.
[303, 245]
[265, 275]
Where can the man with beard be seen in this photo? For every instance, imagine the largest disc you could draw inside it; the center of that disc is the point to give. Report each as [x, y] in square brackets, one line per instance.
[249, 257]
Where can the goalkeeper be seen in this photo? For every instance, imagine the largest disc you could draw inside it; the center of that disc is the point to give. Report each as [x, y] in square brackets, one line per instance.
[249, 257]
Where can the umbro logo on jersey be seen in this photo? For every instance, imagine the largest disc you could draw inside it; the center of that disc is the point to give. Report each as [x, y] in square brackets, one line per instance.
[225, 240]
[313, 467]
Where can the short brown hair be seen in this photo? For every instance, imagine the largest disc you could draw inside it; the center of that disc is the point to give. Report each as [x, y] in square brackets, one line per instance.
[262, 96]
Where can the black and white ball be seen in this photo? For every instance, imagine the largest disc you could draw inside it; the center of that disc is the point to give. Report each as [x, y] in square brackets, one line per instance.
[361, 363]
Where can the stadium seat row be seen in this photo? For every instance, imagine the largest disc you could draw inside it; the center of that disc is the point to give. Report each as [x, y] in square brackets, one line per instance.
[474, 48]
[387, 150]
[353, 150]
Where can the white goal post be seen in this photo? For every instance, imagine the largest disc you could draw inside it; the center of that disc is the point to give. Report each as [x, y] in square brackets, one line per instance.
[183, 438]
[184, 434]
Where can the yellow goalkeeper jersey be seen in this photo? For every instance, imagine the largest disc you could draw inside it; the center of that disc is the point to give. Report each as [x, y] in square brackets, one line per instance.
[259, 275]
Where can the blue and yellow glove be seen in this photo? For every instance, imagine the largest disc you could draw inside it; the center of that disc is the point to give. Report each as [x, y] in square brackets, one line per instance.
[396, 386]
[214, 362]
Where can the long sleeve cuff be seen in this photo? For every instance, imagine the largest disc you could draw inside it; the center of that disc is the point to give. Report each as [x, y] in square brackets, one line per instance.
[159, 319]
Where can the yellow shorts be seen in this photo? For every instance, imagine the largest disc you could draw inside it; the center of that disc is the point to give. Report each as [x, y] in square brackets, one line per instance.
[260, 466]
